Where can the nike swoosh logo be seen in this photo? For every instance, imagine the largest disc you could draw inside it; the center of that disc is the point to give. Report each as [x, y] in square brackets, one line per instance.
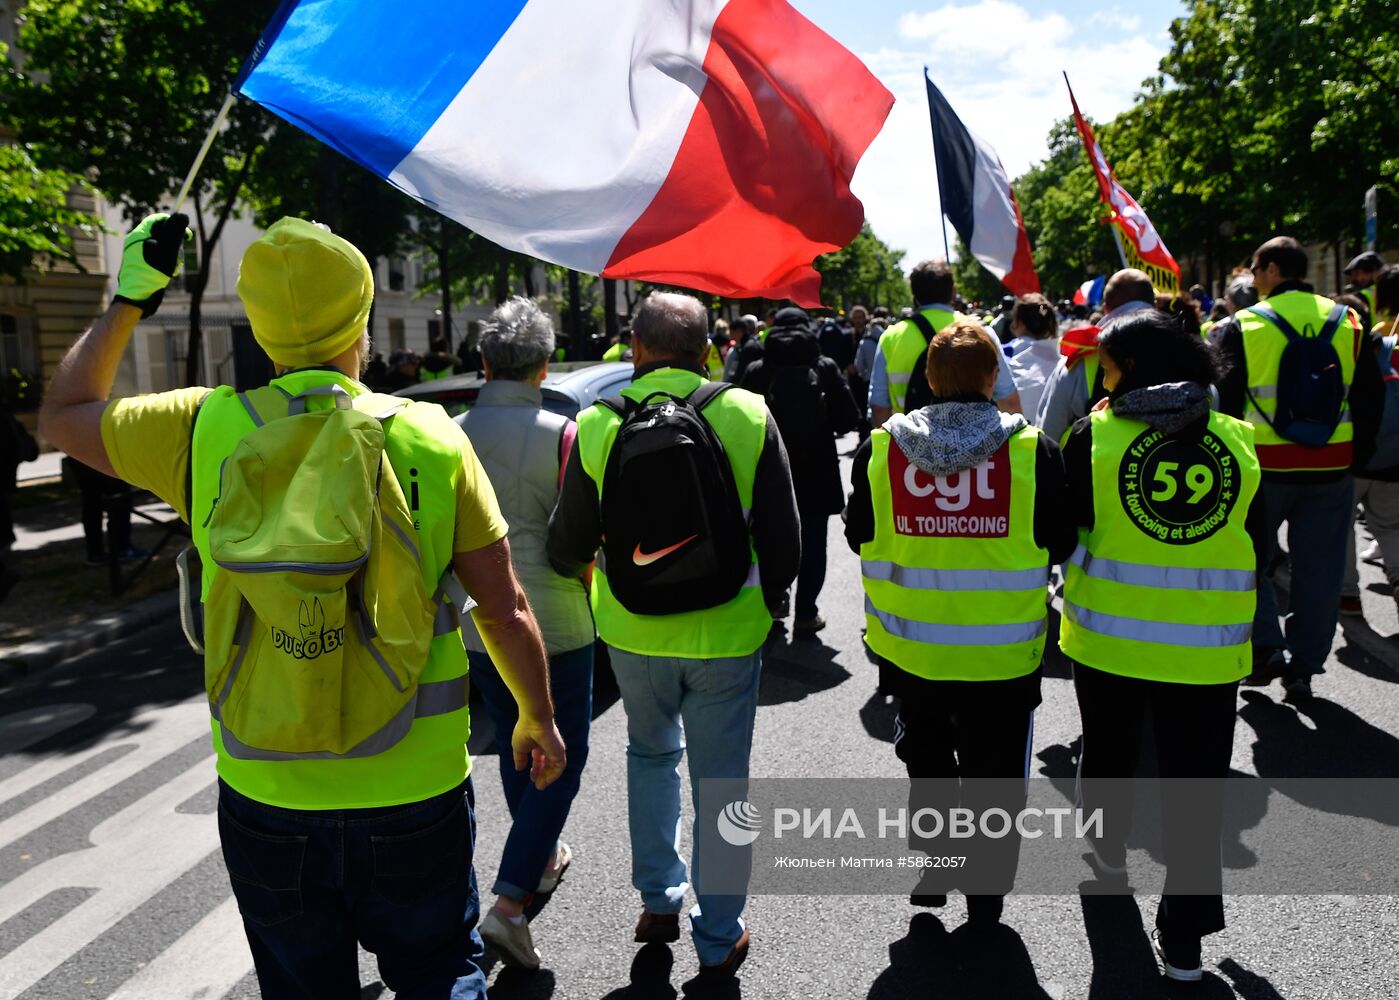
[647, 558]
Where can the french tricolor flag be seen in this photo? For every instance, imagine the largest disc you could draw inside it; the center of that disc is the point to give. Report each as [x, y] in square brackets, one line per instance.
[977, 199]
[703, 143]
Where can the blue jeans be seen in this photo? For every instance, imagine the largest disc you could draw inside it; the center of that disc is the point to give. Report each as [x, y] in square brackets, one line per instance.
[537, 817]
[398, 880]
[717, 701]
[811, 574]
[1318, 517]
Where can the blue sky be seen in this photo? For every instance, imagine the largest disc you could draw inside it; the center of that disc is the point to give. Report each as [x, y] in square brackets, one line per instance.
[999, 63]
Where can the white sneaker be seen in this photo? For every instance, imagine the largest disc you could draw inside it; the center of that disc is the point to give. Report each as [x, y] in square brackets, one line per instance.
[549, 881]
[510, 939]
[1188, 972]
[1371, 553]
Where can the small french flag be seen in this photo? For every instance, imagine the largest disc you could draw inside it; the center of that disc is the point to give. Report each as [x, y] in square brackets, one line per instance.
[976, 198]
[1090, 293]
[704, 143]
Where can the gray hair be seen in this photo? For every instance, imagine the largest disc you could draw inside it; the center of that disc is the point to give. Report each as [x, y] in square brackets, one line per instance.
[517, 339]
[672, 325]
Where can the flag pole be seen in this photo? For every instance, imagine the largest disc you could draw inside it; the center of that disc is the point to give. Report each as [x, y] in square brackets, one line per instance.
[1117, 238]
[946, 253]
[219, 119]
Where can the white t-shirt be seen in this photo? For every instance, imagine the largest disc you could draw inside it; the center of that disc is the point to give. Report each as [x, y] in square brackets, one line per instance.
[1031, 365]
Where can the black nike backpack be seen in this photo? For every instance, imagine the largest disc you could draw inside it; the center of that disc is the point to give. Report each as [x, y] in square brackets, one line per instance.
[675, 536]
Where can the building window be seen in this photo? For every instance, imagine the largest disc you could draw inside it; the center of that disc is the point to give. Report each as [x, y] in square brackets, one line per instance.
[395, 335]
[396, 268]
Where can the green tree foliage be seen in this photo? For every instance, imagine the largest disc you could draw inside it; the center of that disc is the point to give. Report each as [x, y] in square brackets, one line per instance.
[1264, 117]
[124, 93]
[36, 221]
[974, 282]
[866, 272]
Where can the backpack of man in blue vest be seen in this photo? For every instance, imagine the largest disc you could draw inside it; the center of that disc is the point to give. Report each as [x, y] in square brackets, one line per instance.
[1311, 388]
[675, 537]
[1387, 437]
[919, 394]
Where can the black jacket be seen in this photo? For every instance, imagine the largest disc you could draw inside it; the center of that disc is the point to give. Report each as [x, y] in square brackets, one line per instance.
[1366, 394]
[810, 442]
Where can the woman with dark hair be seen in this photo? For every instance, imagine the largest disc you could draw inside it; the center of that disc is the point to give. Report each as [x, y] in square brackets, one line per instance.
[1034, 349]
[1158, 607]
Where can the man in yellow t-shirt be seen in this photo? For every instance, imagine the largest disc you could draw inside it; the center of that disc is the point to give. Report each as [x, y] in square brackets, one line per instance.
[328, 851]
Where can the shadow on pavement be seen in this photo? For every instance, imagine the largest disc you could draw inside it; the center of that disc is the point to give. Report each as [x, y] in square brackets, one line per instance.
[650, 976]
[517, 984]
[792, 671]
[877, 716]
[1248, 985]
[1124, 964]
[1356, 658]
[961, 965]
[1338, 744]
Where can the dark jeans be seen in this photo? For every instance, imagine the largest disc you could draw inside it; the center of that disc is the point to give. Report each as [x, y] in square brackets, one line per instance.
[538, 817]
[967, 743]
[1194, 736]
[311, 884]
[1319, 518]
[101, 493]
[811, 574]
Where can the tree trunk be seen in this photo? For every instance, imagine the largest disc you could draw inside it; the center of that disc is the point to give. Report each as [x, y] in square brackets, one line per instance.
[528, 275]
[502, 274]
[194, 343]
[444, 276]
[609, 309]
[575, 309]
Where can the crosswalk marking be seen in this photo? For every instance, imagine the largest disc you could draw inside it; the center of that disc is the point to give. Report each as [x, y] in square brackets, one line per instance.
[136, 853]
[206, 961]
[160, 733]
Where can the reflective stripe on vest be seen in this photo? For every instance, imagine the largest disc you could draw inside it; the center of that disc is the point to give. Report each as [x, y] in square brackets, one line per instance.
[1162, 587]
[737, 628]
[901, 345]
[954, 581]
[431, 758]
[1263, 345]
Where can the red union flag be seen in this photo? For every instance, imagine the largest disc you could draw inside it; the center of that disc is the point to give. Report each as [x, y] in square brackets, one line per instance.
[1148, 251]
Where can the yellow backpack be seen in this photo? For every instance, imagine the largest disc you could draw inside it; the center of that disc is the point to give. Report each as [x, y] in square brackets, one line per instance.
[317, 623]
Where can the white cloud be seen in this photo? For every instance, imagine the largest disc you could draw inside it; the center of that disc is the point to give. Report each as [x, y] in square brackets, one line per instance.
[1000, 66]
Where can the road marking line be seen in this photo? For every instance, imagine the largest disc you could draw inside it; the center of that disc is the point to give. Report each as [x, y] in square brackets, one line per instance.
[205, 962]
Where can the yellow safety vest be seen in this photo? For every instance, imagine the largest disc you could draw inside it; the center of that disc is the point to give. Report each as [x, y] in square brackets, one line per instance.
[737, 628]
[954, 579]
[432, 757]
[901, 346]
[1263, 346]
[1163, 585]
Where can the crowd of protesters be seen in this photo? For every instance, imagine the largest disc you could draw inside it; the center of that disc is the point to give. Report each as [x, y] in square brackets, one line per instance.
[1149, 449]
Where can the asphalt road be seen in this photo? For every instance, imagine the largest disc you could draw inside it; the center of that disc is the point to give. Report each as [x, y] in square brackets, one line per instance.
[112, 886]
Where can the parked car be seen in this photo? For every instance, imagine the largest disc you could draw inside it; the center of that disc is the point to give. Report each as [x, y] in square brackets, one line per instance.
[569, 387]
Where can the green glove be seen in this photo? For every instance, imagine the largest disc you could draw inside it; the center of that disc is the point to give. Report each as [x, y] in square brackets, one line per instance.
[150, 257]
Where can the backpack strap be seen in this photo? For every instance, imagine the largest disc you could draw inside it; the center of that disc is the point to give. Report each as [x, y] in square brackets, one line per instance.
[706, 393]
[925, 326]
[1334, 319]
[620, 405]
[297, 404]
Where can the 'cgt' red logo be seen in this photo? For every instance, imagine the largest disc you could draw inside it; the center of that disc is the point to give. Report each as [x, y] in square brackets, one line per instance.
[973, 503]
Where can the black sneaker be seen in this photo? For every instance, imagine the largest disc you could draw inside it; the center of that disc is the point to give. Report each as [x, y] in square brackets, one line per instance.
[927, 892]
[1268, 664]
[1180, 956]
[1297, 688]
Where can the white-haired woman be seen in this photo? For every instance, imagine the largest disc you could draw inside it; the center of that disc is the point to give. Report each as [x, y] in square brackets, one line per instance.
[523, 449]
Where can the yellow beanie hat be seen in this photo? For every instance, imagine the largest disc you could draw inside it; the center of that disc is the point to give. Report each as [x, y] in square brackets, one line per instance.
[307, 292]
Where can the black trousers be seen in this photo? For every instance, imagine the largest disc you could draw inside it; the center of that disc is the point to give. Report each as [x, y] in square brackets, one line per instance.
[966, 744]
[1193, 727]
